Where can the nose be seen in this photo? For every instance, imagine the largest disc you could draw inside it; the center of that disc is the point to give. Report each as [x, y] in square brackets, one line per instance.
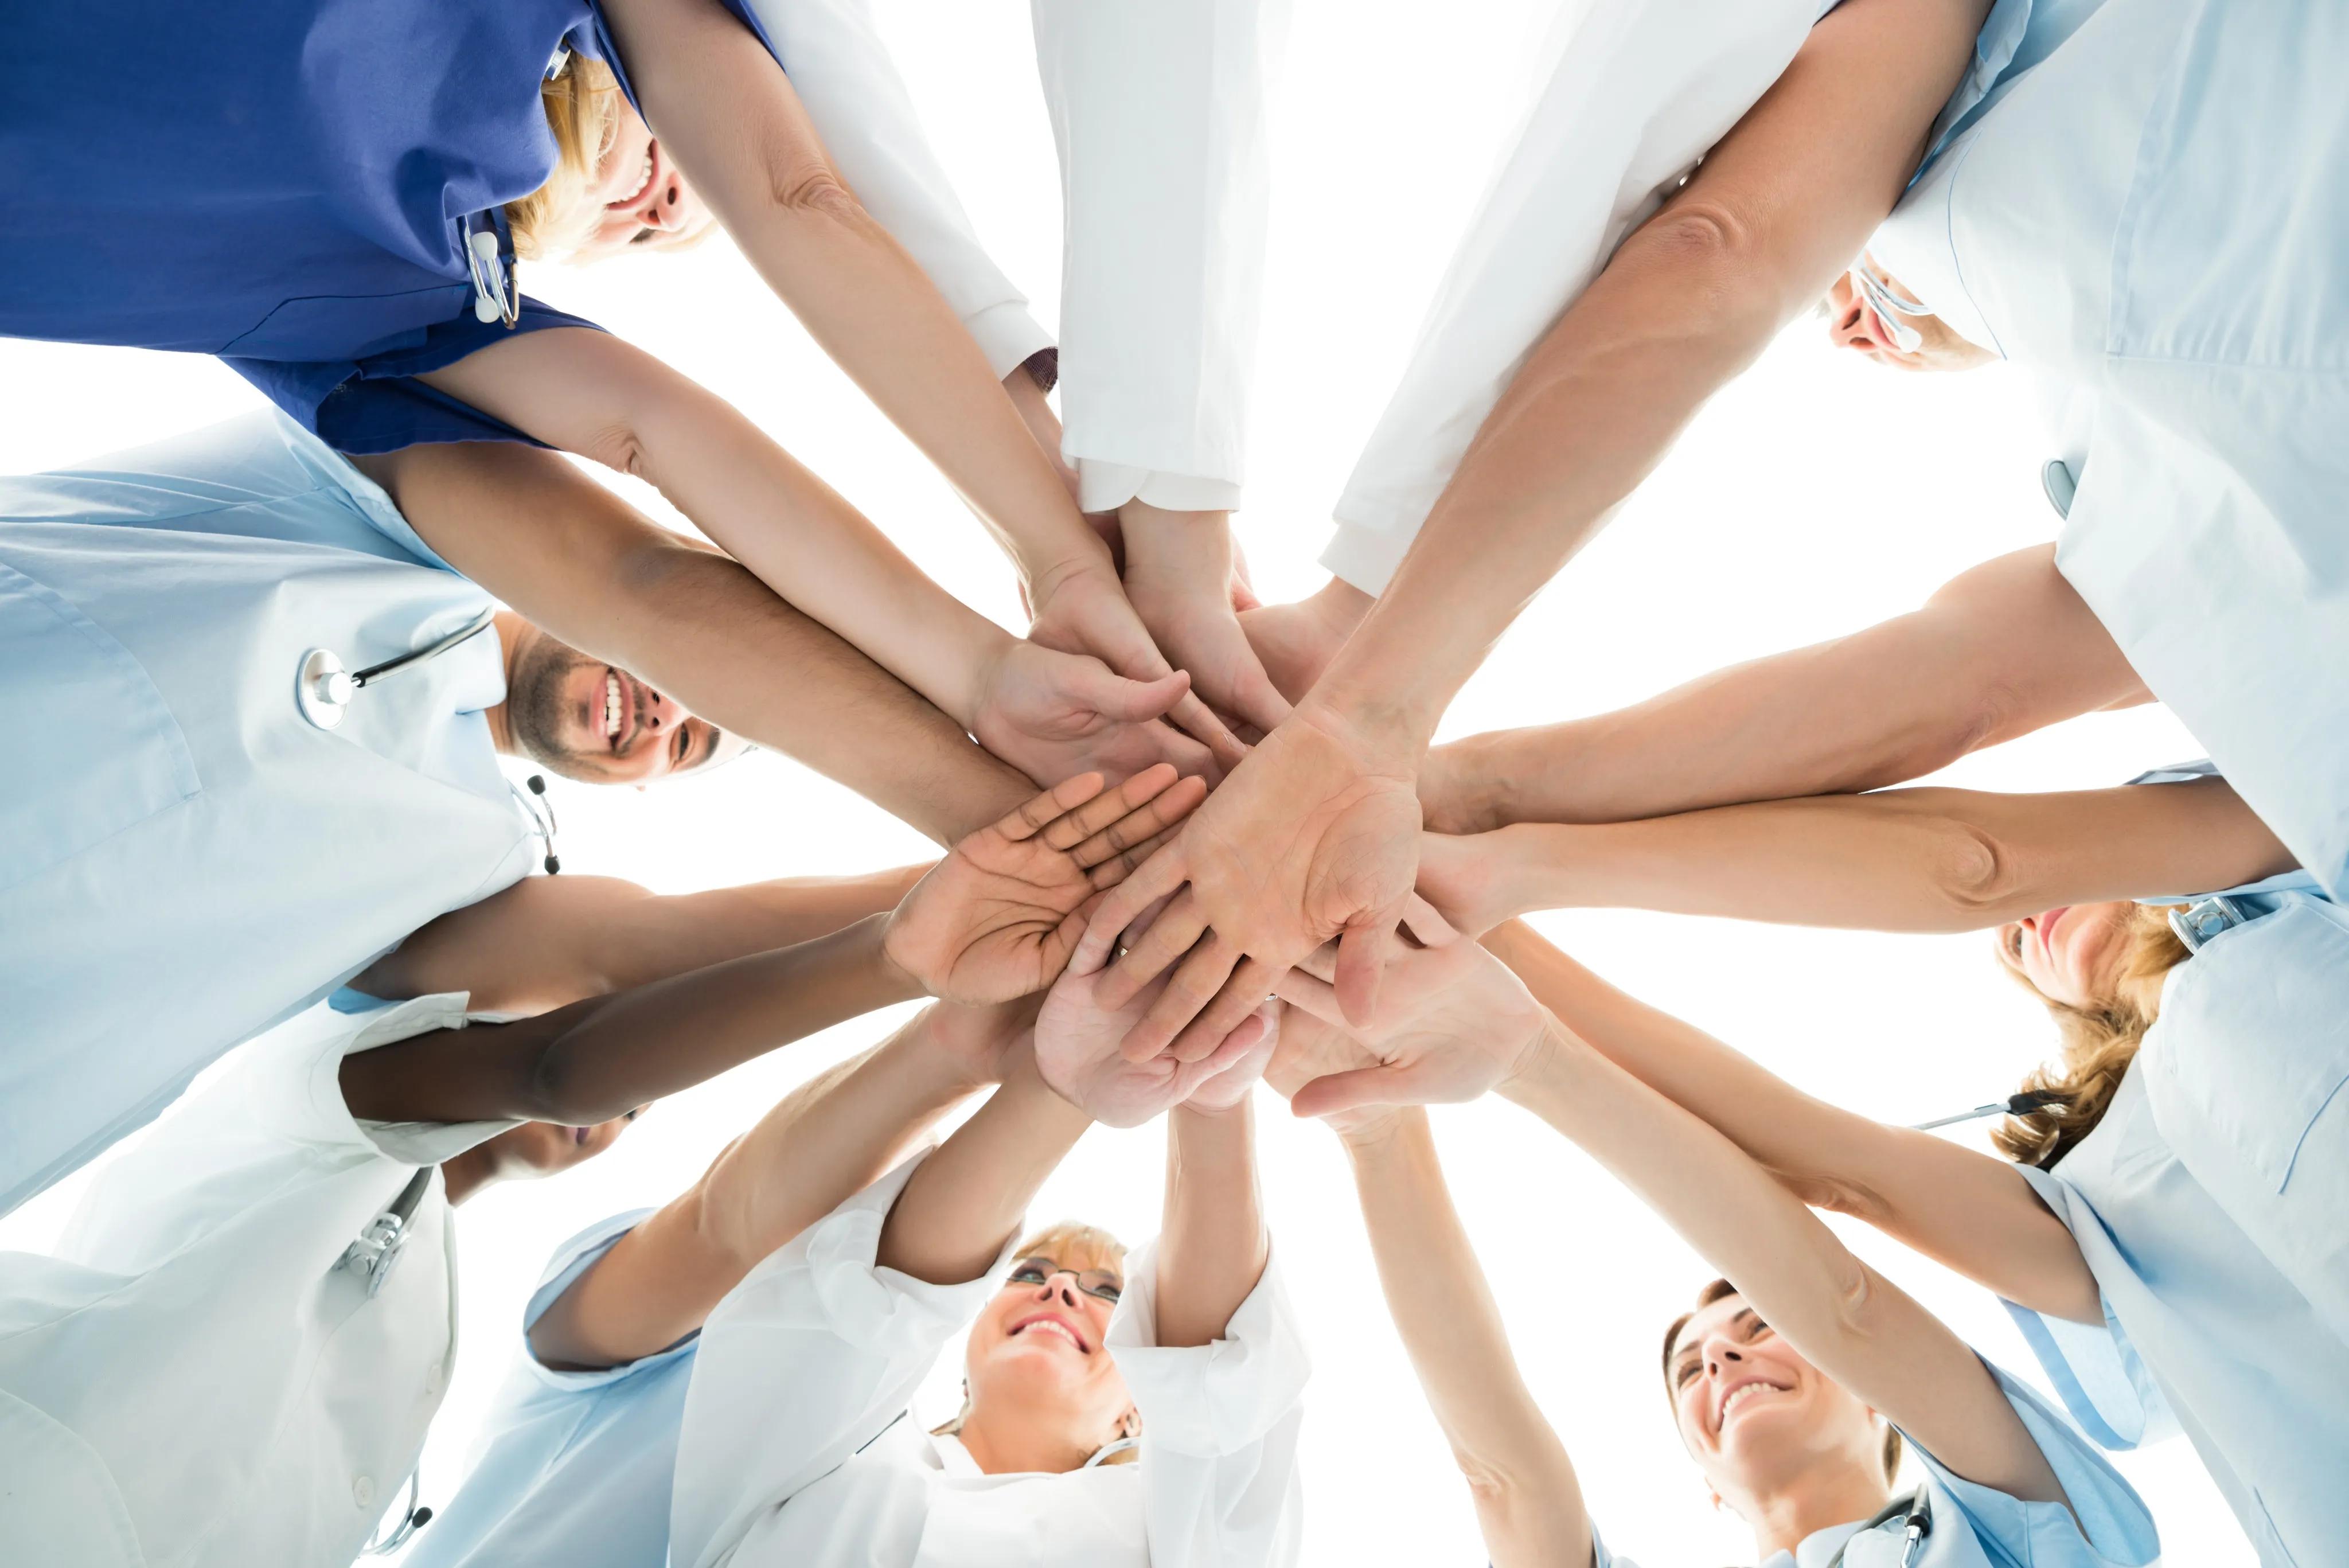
[661, 713]
[1849, 325]
[662, 206]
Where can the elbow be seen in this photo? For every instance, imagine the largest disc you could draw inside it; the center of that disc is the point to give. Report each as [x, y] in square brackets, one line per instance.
[1715, 264]
[805, 187]
[1973, 874]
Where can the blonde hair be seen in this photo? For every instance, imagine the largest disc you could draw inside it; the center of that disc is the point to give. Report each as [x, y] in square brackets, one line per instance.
[2098, 1043]
[584, 103]
[1075, 1245]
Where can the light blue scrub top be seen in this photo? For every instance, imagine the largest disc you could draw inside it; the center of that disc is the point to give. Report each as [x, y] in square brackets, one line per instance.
[571, 1468]
[2145, 202]
[2212, 1204]
[1976, 1526]
[184, 860]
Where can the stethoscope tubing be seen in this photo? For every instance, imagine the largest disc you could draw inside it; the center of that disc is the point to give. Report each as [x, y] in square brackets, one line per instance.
[433, 649]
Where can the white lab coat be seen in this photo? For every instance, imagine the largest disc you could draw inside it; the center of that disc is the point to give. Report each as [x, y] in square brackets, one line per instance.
[2154, 216]
[189, 860]
[191, 1379]
[844, 76]
[1633, 93]
[1158, 109]
[799, 1451]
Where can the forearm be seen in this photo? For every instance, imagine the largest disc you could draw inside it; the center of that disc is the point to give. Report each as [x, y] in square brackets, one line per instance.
[602, 1058]
[1527, 1497]
[1903, 860]
[2004, 650]
[1969, 1212]
[548, 942]
[825, 1141]
[957, 1210]
[1212, 1246]
[576, 560]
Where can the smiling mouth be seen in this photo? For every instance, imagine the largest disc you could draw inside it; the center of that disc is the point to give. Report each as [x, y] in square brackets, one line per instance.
[644, 184]
[1739, 1396]
[1050, 1325]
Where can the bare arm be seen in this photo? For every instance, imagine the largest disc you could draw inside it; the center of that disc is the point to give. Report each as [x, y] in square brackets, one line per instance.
[580, 562]
[957, 1210]
[550, 941]
[827, 1140]
[604, 1057]
[1529, 1503]
[1212, 1247]
[2000, 650]
[1973, 1213]
[1903, 860]
[1854, 1325]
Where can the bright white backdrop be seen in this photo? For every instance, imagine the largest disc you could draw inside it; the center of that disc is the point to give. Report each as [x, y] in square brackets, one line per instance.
[1819, 495]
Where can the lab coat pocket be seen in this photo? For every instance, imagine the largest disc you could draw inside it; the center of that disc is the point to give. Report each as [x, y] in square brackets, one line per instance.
[126, 759]
[2248, 1077]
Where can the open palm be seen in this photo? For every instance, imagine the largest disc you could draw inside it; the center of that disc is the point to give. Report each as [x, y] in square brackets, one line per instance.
[998, 917]
[1077, 1039]
[1452, 1022]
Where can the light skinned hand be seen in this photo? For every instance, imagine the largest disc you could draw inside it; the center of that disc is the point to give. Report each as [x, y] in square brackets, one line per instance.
[1077, 1053]
[998, 917]
[1052, 714]
[1310, 1049]
[1463, 876]
[1306, 841]
[1453, 1022]
[981, 1041]
[1182, 575]
[1087, 612]
[1227, 1090]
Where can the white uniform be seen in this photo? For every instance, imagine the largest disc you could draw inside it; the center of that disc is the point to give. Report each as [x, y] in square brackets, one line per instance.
[187, 860]
[798, 1449]
[1635, 91]
[844, 76]
[1158, 108]
[191, 1379]
[2150, 209]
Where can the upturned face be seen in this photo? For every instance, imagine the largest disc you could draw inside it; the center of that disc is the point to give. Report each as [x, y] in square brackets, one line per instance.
[1040, 1344]
[645, 199]
[2070, 954]
[588, 721]
[1758, 1418]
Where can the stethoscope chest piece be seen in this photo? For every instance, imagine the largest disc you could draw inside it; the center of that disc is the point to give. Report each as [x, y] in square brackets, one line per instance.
[323, 688]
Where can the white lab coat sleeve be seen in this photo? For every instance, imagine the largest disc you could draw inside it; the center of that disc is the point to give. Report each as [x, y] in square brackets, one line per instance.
[858, 103]
[1633, 95]
[810, 1358]
[1220, 1424]
[1158, 108]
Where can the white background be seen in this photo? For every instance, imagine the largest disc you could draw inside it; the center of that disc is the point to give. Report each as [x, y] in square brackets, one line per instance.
[1819, 495]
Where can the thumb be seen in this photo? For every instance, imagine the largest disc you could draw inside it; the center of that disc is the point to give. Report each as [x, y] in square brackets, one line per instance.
[1380, 1086]
[1362, 951]
[1134, 702]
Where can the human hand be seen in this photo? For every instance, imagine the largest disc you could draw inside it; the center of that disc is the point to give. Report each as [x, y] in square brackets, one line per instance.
[1087, 612]
[1455, 1021]
[1181, 577]
[1311, 1048]
[998, 917]
[979, 1042]
[1230, 1088]
[1309, 839]
[1296, 642]
[1466, 876]
[1052, 714]
[1077, 1037]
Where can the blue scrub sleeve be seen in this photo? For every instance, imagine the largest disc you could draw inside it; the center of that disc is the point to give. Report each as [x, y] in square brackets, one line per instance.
[593, 40]
[2098, 1373]
[2106, 1524]
[376, 405]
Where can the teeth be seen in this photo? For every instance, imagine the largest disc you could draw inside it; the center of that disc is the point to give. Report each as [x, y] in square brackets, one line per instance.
[644, 178]
[613, 709]
[1049, 1326]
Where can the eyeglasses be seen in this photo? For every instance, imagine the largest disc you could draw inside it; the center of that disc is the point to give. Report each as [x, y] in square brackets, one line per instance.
[1891, 305]
[1099, 1283]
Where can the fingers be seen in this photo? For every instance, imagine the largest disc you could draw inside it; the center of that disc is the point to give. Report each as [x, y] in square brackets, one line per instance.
[1193, 985]
[1040, 812]
[1351, 1090]
[1252, 980]
[1198, 720]
[1094, 684]
[1153, 879]
[1091, 842]
[1110, 873]
[1312, 996]
[1172, 935]
[1427, 923]
[1091, 817]
[1362, 952]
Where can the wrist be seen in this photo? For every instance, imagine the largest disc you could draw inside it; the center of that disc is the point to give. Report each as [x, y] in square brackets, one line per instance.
[977, 676]
[1371, 735]
[1540, 1064]
[891, 979]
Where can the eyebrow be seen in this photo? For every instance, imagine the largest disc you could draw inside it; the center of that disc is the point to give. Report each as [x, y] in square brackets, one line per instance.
[1745, 1317]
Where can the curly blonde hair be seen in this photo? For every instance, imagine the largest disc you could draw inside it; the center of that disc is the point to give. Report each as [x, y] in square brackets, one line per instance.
[2098, 1043]
[1074, 1245]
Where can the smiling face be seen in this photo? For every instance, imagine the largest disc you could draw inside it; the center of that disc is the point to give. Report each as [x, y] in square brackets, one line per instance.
[1759, 1420]
[2070, 955]
[646, 202]
[1038, 1347]
[588, 721]
[1863, 319]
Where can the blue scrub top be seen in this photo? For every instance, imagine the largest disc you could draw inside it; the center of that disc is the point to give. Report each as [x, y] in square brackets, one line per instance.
[284, 183]
[572, 1468]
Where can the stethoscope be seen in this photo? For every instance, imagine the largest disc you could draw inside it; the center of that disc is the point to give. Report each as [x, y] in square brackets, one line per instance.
[488, 254]
[324, 687]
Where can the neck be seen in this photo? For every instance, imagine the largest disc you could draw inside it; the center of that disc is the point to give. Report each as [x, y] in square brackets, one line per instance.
[1013, 1445]
[511, 629]
[1785, 1520]
[465, 1174]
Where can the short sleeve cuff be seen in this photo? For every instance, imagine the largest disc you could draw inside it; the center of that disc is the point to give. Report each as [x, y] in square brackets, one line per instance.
[1106, 486]
[2093, 1368]
[1007, 334]
[1367, 558]
[1213, 1399]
